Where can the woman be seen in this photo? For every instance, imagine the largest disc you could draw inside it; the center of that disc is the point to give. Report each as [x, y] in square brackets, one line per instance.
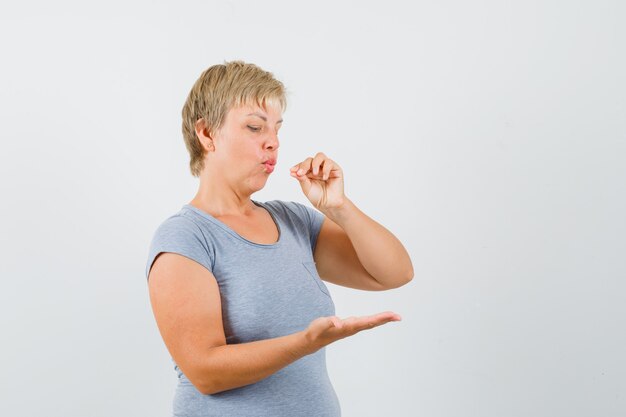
[236, 284]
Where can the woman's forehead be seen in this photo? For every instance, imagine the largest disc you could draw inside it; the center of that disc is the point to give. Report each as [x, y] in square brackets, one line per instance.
[269, 112]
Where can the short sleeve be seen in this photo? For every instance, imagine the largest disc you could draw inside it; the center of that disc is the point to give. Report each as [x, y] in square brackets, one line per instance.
[180, 235]
[312, 218]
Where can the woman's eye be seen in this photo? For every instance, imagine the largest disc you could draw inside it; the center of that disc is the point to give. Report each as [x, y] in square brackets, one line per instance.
[254, 129]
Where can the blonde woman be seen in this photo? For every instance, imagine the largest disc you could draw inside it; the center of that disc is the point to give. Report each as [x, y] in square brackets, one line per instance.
[237, 285]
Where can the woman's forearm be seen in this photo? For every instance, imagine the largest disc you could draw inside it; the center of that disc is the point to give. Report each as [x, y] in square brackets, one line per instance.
[379, 251]
[235, 365]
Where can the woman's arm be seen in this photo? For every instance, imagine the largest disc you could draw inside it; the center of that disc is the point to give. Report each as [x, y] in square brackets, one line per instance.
[187, 307]
[241, 364]
[355, 251]
[352, 249]
[186, 303]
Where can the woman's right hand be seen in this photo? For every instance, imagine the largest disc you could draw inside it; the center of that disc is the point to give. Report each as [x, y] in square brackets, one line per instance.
[326, 330]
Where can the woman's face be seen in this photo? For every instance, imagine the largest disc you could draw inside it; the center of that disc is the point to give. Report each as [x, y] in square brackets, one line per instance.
[246, 147]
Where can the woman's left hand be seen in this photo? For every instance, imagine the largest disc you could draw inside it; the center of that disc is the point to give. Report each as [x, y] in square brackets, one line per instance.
[321, 180]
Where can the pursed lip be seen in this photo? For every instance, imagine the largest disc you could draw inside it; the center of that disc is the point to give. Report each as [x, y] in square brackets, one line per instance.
[269, 161]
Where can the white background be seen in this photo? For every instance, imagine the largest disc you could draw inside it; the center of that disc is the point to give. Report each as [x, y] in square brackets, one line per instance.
[489, 136]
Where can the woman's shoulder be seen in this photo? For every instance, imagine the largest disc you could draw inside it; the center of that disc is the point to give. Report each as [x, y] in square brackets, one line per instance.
[179, 223]
[179, 233]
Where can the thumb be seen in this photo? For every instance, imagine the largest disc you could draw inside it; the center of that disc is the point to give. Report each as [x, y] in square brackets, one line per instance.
[335, 322]
[305, 182]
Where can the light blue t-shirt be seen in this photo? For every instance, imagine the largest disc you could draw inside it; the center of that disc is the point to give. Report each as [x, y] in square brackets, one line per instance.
[267, 291]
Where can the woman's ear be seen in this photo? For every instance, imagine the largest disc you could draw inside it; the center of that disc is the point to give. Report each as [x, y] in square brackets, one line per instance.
[203, 135]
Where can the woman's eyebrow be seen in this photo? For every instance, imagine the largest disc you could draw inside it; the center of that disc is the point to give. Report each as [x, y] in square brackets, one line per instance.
[263, 117]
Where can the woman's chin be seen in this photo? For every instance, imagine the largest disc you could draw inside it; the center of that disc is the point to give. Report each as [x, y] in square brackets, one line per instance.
[258, 183]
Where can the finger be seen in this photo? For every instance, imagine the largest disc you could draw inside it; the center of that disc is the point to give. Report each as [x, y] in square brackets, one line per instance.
[370, 324]
[303, 167]
[389, 314]
[378, 319]
[317, 161]
[363, 323]
[297, 170]
[297, 166]
[328, 166]
[353, 324]
[370, 321]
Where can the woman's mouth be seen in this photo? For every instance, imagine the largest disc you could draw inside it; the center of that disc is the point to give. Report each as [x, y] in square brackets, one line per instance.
[269, 167]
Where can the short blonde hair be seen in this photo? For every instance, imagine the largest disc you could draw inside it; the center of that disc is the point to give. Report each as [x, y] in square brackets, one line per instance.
[220, 88]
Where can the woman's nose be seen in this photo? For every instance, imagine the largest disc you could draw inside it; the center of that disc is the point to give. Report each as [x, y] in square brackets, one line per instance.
[272, 141]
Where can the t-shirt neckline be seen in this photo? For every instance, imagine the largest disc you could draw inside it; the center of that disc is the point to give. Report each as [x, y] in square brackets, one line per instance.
[237, 235]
